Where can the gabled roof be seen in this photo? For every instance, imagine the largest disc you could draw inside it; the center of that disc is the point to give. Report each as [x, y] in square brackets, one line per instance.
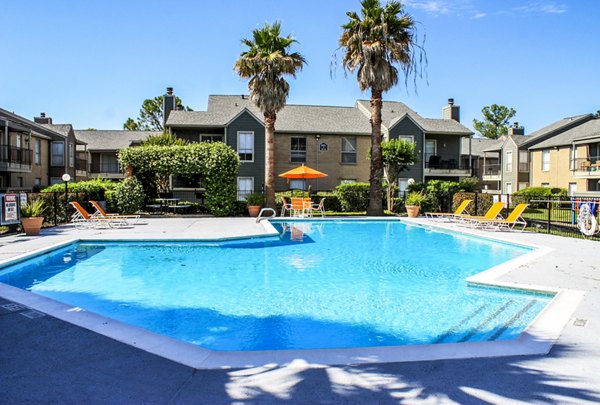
[554, 128]
[111, 140]
[393, 112]
[35, 127]
[496, 144]
[589, 129]
[478, 145]
[310, 118]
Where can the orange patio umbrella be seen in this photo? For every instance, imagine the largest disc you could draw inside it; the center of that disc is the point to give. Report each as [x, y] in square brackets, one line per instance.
[303, 172]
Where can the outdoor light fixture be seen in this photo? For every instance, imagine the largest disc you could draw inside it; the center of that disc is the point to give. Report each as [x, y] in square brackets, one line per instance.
[66, 178]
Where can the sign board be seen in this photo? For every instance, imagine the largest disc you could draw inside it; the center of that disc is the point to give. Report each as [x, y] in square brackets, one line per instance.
[10, 209]
[22, 199]
[323, 147]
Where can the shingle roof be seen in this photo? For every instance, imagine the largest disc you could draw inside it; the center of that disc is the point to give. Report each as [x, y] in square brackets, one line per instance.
[555, 127]
[478, 145]
[310, 118]
[110, 140]
[63, 129]
[588, 129]
[37, 128]
[393, 112]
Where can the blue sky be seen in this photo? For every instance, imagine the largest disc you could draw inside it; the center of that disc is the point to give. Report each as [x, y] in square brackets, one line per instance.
[92, 63]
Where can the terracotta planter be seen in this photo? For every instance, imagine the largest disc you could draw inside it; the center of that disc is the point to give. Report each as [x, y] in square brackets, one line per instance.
[32, 225]
[253, 210]
[412, 211]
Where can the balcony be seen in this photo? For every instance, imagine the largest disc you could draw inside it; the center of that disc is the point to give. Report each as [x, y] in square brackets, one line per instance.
[81, 167]
[491, 172]
[446, 165]
[588, 168]
[107, 170]
[13, 159]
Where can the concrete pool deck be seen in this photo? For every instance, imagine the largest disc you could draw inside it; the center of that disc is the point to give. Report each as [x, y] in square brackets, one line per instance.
[43, 359]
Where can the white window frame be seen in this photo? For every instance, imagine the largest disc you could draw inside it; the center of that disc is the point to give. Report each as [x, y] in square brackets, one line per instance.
[524, 153]
[410, 138]
[241, 195]
[546, 164]
[52, 162]
[509, 161]
[19, 141]
[298, 151]
[546, 185]
[572, 189]
[239, 133]
[71, 154]
[573, 157]
[349, 153]
[522, 185]
[37, 151]
[507, 186]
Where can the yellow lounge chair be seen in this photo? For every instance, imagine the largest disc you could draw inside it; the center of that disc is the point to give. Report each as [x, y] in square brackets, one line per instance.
[461, 210]
[100, 213]
[83, 218]
[515, 218]
[492, 213]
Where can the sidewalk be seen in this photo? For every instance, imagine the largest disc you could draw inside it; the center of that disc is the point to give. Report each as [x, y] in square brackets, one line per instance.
[45, 360]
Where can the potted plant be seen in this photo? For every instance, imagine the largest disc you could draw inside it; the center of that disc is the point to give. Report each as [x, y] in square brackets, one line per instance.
[32, 217]
[254, 202]
[413, 203]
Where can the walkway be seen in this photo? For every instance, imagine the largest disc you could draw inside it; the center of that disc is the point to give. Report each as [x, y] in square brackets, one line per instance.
[45, 360]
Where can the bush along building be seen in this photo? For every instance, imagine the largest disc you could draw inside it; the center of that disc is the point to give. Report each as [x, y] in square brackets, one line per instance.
[331, 139]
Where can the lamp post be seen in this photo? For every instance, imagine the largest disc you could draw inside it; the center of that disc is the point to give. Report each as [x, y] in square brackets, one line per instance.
[66, 178]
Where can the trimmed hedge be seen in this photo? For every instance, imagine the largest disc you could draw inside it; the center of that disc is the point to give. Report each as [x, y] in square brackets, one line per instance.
[353, 197]
[484, 202]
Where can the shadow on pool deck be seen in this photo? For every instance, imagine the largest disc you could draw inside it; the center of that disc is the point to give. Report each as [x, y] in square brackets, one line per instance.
[45, 360]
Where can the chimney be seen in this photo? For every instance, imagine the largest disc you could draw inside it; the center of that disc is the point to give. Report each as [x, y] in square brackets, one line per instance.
[516, 129]
[451, 111]
[42, 119]
[169, 104]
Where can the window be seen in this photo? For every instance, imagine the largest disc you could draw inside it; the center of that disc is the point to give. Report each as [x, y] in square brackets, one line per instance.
[298, 149]
[410, 138]
[431, 150]
[37, 149]
[509, 161]
[246, 146]
[245, 186]
[523, 161]
[38, 181]
[19, 181]
[58, 154]
[508, 188]
[297, 184]
[546, 161]
[211, 138]
[402, 187]
[19, 140]
[349, 150]
[71, 154]
[348, 181]
[109, 163]
[572, 189]
[546, 185]
[522, 186]
[55, 180]
[573, 157]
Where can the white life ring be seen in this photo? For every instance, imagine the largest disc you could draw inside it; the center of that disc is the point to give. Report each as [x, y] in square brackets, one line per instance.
[586, 221]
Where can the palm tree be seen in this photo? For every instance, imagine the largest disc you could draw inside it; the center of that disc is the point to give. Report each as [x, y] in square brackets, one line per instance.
[265, 63]
[372, 44]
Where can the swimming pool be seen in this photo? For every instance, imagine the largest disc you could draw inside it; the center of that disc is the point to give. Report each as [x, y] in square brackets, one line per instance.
[320, 285]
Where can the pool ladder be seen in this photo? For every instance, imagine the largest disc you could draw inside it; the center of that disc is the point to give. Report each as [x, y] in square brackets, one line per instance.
[265, 210]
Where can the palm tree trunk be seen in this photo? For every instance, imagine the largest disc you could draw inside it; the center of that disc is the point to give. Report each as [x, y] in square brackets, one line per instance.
[270, 119]
[375, 207]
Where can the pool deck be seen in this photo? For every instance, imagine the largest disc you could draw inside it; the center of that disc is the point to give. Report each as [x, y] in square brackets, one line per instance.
[46, 360]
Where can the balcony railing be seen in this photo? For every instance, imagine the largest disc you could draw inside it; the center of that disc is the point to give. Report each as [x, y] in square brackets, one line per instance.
[446, 162]
[491, 169]
[14, 155]
[110, 167]
[81, 164]
[586, 165]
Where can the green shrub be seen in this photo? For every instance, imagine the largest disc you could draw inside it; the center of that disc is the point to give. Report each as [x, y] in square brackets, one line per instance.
[353, 197]
[416, 198]
[484, 202]
[255, 199]
[93, 189]
[537, 193]
[399, 206]
[129, 195]
[35, 208]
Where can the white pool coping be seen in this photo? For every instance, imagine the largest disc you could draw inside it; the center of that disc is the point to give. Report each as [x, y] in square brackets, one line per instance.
[536, 339]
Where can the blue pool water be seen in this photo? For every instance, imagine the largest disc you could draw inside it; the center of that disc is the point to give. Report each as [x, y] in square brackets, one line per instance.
[319, 285]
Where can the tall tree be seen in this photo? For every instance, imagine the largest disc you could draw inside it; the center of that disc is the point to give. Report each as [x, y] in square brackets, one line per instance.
[398, 154]
[151, 115]
[495, 121]
[266, 61]
[373, 43]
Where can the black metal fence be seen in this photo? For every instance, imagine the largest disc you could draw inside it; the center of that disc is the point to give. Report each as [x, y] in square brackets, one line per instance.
[553, 215]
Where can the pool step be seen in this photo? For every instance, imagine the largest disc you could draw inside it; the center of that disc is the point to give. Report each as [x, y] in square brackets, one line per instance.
[457, 332]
